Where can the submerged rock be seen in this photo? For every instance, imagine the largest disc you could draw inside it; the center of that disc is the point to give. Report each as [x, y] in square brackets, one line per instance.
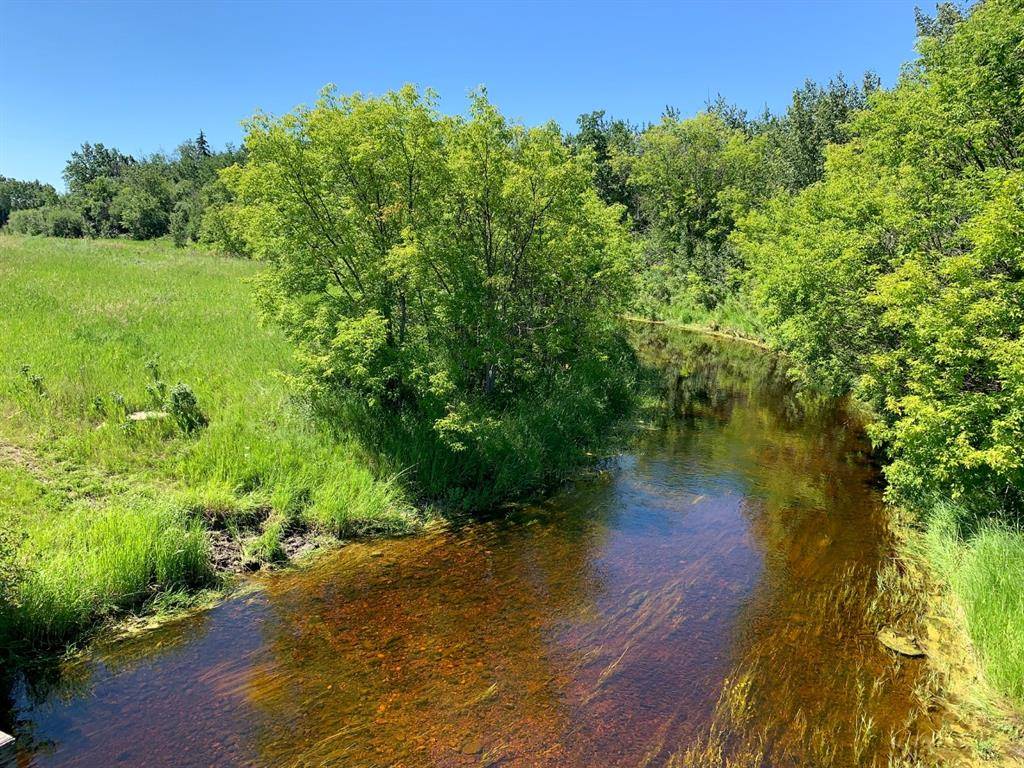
[902, 644]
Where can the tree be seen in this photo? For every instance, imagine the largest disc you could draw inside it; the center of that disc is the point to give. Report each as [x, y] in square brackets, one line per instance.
[94, 200]
[203, 146]
[606, 138]
[816, 117]
[143, 204]
[942, 24]
[92, 162]
[447, 271]
[692, 179]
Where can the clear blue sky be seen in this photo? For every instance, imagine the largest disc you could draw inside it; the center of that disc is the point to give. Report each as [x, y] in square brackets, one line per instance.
[144, 76]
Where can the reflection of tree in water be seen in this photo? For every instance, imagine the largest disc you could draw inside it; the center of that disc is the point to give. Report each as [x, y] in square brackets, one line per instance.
[810, 684]
[53, 679]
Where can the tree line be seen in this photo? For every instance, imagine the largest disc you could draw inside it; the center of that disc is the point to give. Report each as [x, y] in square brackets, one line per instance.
[112, 194]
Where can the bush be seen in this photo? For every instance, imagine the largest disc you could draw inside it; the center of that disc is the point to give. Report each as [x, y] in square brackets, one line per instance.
[65, 222]
[184, 409]
[180, 226]
[139, 213]
[453, 273]
[53, 221]
[31, 221]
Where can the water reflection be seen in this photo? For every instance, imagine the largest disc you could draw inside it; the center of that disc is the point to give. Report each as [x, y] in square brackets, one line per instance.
[712, 584]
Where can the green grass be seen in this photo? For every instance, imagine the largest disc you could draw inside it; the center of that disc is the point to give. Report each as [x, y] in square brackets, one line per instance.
[107, 515]
[986, 572]
[734, 316]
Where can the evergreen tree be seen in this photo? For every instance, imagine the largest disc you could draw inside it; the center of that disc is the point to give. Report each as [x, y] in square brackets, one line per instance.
[202, 145]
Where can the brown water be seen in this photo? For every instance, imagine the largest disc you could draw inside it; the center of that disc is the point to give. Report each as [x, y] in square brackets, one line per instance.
[709, 592]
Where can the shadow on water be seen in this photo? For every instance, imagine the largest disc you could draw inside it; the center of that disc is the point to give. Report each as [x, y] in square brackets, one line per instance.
[709, 594]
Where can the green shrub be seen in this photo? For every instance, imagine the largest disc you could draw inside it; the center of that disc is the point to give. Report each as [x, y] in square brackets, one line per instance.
[139, 213]
[395, 303]
[65, 222]
[180, 225]
[184, 409]
[52, 220]
[31, 221]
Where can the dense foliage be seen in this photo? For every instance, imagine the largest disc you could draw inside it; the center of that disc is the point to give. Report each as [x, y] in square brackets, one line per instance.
[686, 182]
[23, 195]
[900, 274]
[111, 194]
[692, 178]
[458, 281]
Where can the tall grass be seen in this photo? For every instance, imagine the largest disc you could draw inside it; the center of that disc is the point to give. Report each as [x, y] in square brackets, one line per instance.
[985, 569]
[734, 315]
[106, 513]
[86, 564]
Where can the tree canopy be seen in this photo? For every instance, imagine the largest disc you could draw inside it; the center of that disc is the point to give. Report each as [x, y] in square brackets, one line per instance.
[899, 275]
[435, 267]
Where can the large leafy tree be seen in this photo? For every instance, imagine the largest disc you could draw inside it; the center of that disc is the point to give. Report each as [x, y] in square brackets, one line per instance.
[606, 138]
[693, 178]
[94, 161]
[433, 266]
[900, 274]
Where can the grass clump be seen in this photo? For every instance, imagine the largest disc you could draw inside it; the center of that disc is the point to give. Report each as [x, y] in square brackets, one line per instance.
[67, 561]
[984, 566]
[87, 565]
[735, 315]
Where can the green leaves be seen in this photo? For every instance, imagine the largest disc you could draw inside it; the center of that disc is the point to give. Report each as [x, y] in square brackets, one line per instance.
[438, 267]
[900, 274]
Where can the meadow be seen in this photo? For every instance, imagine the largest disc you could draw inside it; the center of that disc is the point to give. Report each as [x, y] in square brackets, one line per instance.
[104, 514]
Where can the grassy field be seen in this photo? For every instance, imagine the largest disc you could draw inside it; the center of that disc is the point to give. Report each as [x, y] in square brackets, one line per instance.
[104, 514]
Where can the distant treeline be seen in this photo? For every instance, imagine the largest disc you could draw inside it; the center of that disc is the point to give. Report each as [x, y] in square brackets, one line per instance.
[111, 194]
[713, 156]
[685, 182]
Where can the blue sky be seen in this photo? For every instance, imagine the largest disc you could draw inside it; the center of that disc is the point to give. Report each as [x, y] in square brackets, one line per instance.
[144, 76]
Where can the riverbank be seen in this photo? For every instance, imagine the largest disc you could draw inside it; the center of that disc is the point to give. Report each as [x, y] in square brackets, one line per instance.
[960, 594]
[152, 446]
[974, 721]
[106, 497]
[731, 334]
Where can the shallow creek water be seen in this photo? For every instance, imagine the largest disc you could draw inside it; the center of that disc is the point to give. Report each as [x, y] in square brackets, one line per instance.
[708, 592]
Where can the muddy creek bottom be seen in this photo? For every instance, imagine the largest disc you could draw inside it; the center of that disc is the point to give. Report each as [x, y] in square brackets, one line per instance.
[710, 593]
